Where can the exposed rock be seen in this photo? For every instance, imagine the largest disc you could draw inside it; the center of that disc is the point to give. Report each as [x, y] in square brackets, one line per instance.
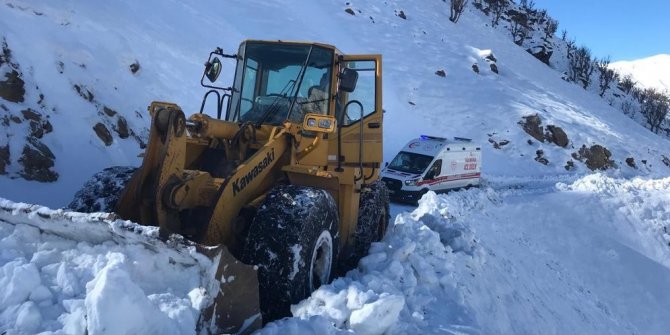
[37, 161]
[530, 142]
[110, 112]
[475, 68]
[4, 158]
[498, 145]
[644, 161]
[441, 73]
[30, 114]
[402, 15]
[47, 127]
[631, 162]
[350, 11]
[134, 67]
[540, 157]
[122, 127]
[494, 68]
[666, 160]
[103, 133]
[569, 165]
[5, 54]
[556, 135]
[12, 88]
[533, 126]
[36, 129]
[16, 119]
[596, 157]
[491, 57]
[541, 52]
[84, 93]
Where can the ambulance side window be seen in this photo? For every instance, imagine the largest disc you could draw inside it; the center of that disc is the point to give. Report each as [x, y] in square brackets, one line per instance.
[434, 170]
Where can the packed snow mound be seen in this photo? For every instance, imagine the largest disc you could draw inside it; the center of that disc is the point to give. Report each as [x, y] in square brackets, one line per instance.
[94, 276]
[404, 284]
[646, 204]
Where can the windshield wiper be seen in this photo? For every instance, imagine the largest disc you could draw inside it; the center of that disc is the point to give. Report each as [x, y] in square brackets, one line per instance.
[274, 106]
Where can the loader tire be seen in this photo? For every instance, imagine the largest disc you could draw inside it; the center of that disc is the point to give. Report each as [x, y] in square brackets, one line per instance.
[102, 191]
[294, 241]
[373, 220]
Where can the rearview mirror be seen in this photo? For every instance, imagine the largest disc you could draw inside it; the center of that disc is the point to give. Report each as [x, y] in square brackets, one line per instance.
[348, 79]
[213, 69]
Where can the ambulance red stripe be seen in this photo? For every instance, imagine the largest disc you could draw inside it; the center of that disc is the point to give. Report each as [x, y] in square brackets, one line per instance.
[449, 178]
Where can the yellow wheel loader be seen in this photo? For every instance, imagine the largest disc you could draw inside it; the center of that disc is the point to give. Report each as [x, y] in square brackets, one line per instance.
[280, 187]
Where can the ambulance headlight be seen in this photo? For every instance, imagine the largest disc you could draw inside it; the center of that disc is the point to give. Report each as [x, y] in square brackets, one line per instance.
[411, 182]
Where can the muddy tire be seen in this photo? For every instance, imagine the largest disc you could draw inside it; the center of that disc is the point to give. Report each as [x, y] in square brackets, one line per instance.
[373, 220]
[294, 241]
[102, 191]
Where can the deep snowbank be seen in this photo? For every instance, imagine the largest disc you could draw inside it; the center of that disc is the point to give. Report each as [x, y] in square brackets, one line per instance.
[94, 276]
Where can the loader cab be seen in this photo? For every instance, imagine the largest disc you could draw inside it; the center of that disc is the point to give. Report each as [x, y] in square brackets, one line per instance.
[278, 81]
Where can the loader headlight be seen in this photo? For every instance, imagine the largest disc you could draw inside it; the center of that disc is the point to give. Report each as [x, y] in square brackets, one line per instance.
[325, 124]
[311, 122]
[411, 182]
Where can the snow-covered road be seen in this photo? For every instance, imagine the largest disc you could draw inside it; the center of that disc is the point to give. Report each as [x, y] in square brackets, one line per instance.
[590, 257]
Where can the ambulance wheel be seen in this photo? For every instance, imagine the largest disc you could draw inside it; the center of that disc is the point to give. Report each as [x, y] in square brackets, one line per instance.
[294, 240]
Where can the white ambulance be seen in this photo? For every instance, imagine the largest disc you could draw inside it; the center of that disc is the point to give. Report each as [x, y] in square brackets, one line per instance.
[432, 163]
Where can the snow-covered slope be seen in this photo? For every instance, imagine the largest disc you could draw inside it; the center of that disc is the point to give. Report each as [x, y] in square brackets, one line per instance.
[94, 44]
[523, 255]
[651, 72]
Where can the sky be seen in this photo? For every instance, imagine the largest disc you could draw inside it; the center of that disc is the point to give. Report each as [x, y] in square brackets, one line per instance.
[624, 30]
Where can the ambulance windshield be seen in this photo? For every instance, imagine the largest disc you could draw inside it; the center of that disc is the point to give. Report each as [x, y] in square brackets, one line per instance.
[410, 162]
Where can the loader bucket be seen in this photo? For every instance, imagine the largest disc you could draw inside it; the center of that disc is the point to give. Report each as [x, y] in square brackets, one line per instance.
[236, 308]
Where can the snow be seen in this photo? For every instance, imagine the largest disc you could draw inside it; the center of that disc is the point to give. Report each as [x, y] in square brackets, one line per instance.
[650, 72]
[576, 259]
[297, 260]
[536, 249]
[80, 280]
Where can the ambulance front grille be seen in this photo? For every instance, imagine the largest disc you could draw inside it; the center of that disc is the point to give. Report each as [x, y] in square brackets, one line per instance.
[392, 184]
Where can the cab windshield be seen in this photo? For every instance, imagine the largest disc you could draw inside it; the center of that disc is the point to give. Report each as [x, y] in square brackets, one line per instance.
[410, 162]
[276, 82]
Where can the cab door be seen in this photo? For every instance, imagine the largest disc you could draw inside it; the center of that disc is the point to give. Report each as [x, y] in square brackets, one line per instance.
[360, 116]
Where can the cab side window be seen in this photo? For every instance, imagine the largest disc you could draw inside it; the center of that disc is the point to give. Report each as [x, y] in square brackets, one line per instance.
[434, 170]
[364, 93]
